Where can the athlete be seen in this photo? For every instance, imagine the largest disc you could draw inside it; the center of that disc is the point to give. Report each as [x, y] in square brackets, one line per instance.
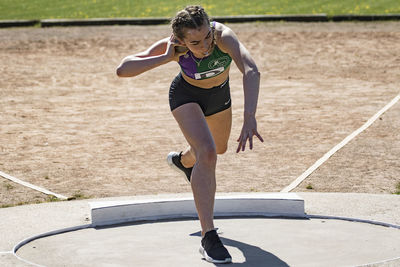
[200, 102]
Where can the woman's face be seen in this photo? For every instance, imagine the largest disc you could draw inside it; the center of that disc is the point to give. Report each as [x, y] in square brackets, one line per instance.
[199, 40]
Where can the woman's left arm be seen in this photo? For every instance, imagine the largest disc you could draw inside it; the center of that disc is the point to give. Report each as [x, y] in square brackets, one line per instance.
[251, 84]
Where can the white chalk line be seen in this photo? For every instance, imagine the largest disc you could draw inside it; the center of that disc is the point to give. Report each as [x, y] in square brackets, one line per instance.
[34, 187]
[87, 226]
[324, 158]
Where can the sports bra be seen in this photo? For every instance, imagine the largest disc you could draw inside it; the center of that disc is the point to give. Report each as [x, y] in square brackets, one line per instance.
[207, 67]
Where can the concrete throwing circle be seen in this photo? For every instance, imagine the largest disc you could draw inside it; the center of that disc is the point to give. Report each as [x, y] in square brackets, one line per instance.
[251, 242]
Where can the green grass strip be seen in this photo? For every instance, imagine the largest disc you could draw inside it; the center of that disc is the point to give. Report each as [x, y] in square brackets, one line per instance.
[81, 9]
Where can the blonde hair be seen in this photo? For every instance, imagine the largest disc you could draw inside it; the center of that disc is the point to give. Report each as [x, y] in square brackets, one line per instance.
[191, 17]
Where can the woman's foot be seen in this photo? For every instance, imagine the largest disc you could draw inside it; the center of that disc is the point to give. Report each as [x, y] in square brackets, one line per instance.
[213, 250]
[174, 161]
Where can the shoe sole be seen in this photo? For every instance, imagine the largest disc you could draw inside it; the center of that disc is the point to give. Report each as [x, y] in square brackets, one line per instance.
[203, 252]
[173, 166]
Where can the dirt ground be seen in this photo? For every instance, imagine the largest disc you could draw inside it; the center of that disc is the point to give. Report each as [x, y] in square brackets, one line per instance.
[70, 125]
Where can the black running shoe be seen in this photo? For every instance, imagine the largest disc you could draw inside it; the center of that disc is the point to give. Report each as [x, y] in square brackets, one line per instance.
[174, 161]
[213, 250]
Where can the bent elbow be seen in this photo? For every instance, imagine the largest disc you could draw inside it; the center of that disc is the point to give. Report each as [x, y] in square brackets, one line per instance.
[127, 69]
[124, 68]
[120, 72]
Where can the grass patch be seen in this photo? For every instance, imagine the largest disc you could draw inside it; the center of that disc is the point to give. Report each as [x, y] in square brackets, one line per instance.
[309, 187]
[13, 205]
[397, 192]
[78, 195]
[54, 9]
[5, 206]
[52, 199]
[8, 186]
[49, 198]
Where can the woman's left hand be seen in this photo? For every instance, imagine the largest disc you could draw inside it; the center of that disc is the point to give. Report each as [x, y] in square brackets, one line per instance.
[249, 129]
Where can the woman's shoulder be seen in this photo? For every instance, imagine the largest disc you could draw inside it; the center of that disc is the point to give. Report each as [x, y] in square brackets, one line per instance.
[219, 28]
[223, 35]
[222, 31]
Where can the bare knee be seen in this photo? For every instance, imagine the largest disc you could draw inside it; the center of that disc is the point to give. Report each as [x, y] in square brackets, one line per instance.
[207, 154]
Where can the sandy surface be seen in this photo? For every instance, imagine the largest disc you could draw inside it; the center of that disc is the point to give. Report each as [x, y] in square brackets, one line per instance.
[70, 125]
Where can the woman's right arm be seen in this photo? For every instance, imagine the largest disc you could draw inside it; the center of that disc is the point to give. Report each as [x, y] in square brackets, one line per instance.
[158, 54]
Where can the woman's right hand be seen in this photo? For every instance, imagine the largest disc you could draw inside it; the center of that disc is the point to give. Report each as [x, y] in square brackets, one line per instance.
[175, 49]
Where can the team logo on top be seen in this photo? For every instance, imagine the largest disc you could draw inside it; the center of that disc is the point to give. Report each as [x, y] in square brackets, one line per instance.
[219, 62]
[208, 74]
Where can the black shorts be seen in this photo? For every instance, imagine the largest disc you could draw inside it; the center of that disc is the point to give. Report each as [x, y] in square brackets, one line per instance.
[211, 100]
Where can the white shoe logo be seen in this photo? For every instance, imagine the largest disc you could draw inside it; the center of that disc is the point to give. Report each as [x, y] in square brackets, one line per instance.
[227, 102]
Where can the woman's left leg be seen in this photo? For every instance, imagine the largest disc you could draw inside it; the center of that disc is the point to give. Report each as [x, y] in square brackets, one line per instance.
[220, 125]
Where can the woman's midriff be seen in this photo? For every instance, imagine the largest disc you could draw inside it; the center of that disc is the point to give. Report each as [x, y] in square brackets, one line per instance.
[208, 83]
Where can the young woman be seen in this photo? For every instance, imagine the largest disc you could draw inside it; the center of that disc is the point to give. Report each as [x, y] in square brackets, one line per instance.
[200, 102]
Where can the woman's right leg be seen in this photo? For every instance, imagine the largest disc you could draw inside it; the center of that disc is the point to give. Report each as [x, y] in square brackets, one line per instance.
[195, 129]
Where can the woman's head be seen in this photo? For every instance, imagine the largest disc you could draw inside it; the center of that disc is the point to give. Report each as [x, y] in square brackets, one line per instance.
[191, 17]
[191, 26]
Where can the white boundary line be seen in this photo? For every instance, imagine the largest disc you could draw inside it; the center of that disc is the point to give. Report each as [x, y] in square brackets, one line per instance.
[319, 162]
[43, 235]
[37, 188]
[87, 226]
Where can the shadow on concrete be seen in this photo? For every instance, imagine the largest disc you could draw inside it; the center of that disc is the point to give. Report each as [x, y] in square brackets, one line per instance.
[254, 256]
